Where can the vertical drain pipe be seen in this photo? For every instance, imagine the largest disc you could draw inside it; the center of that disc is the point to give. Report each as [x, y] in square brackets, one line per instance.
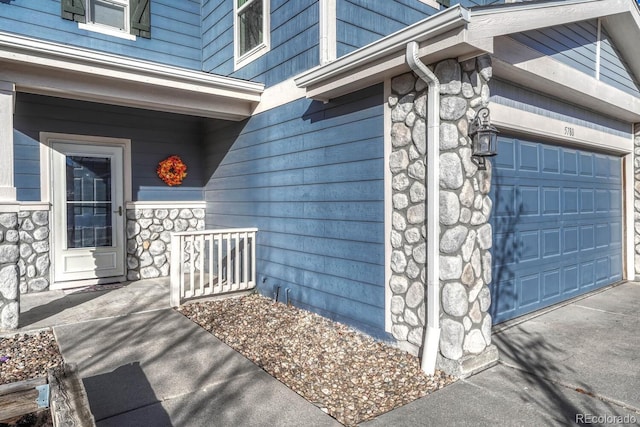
[432, 337]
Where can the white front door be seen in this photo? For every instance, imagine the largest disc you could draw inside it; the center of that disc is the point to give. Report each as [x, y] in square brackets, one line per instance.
[88, 213]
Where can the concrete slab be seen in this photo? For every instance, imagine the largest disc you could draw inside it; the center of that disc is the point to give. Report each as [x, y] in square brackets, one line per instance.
[500, 396]
[251, 400]
[58, 307]
[160, 364]
[587, 348]
[622, 299]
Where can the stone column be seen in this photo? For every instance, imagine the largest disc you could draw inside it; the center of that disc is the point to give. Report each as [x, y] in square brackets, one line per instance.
[465, 206]
[636, 205]
[465, 233]
[9, 276]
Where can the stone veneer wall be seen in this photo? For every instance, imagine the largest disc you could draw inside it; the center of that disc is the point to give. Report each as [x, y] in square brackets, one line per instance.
[149, 238]
[465, 206]
[636, 214]
[35, 261]
[9, 273]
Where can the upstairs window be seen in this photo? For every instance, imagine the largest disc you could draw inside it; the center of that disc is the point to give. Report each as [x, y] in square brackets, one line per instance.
[120, 18]
[251, 30]
[109, 13]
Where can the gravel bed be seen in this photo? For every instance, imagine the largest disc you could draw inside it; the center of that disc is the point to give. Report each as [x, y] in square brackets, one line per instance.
[23, 356]
[345, 373]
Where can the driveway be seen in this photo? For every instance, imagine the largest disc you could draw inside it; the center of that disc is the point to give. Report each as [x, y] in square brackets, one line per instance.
[576, 364]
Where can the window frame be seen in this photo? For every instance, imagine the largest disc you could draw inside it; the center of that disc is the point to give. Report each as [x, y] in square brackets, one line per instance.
[124, 33]
[264, 45]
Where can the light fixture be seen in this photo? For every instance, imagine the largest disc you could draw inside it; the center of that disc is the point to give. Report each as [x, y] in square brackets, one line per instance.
[484, 137]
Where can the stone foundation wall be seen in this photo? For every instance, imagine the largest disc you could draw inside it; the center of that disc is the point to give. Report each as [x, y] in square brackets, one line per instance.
[149, 238]
[35, 261]
[9, 272]
[465, 206]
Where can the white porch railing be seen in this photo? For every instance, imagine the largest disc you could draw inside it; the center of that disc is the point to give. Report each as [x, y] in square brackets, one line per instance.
[212, 262]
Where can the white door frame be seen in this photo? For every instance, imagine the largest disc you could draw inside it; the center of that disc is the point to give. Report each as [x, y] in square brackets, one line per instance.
[47, 140]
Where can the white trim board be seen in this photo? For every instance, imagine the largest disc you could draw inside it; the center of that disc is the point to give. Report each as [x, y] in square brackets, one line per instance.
[166, 205]
[513, 119]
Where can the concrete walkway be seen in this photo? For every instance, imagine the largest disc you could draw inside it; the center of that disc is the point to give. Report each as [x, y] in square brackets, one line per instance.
[144, 364]
[556, 368]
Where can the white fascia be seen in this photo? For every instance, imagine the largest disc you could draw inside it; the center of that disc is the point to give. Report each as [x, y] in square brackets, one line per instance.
[49, 68]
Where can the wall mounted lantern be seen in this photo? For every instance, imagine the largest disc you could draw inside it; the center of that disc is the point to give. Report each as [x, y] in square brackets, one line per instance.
[484, 138]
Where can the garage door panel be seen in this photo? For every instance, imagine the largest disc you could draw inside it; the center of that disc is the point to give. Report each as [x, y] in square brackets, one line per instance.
[550, 201]
[570, 200]
[528, 201]
[570, 284]
[551, 286]
[529, 246]
[529, 290]
[569, 162]
[528, 157]
[550, 160]
[551, 243]
[557, 224]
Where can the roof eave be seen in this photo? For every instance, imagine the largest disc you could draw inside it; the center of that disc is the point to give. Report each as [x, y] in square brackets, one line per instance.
[43, 67]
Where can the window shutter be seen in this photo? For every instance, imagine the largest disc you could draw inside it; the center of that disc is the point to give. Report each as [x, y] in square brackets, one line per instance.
[141, 18]
[73, 10]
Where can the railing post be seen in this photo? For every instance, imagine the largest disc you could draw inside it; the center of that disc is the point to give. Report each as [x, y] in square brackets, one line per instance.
[176, 271]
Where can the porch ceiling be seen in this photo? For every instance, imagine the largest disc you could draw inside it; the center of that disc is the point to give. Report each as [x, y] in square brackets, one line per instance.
[46, 68]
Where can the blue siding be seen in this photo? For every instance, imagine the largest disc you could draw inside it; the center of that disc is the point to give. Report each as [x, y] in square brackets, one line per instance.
[572, 44]
[310, 177]
[294, 41]
[154, 136]
[26, 166]
[360, 22]
[175, 30]
[557, 222]
[613, 69]
[509, 94]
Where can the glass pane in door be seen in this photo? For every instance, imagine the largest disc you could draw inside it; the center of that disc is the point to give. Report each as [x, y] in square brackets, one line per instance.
[89, 205]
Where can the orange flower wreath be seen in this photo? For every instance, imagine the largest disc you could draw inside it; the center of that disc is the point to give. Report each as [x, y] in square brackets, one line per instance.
[172, 170]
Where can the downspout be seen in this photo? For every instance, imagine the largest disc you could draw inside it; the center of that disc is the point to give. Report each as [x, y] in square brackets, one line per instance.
[432, 184]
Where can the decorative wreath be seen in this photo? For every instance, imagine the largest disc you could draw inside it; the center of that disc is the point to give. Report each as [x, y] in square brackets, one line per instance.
[172, 170]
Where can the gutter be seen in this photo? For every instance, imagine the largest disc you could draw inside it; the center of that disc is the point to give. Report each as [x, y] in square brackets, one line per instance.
[453, 17]
[432, 184]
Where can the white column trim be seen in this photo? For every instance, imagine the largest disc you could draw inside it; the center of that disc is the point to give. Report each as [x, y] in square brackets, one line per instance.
[7, 109]
[628, 241]
[598, 48]
[328, 32]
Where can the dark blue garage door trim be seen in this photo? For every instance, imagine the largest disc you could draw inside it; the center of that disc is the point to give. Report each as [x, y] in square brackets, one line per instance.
[557, 224]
